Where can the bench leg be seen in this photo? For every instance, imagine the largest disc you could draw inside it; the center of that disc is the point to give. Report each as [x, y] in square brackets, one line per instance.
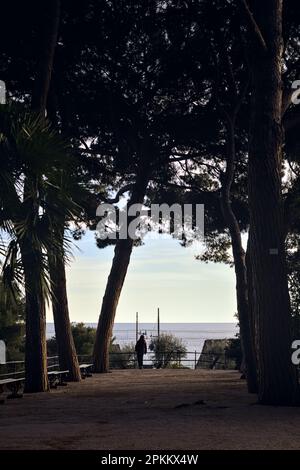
[2, 401]
[14, 391]
[61, 382]
[85, 373]
[53, 381]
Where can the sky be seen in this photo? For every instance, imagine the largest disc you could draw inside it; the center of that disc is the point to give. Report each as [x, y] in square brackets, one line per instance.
[161, 274]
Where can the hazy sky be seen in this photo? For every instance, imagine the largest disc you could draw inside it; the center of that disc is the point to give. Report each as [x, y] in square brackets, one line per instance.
[161, 274]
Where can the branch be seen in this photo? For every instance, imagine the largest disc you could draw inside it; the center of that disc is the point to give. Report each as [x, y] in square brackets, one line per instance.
[121, 191]
[183, 186]
[189, 155]
[286, 100]
[293, 169]
[255, 26]
[83, 142]
[184, 158]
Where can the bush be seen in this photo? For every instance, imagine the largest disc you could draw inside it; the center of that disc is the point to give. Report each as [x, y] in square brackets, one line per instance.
[12, 326]
[84, 339]
[234, 351]
[168, 351]
[121, 357]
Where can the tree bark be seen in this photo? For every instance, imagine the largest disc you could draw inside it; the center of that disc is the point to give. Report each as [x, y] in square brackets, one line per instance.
[239, 260]
[277, 377]
[49, 35]
[251, 301]
[123, 250]
[36, 376]
[68, 359]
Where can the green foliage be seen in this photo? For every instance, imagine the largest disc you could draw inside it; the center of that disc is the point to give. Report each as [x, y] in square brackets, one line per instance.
[234, 351]
[168, 349]
[217, 249]
[84, 338]
[12, 313]
[293, 266]
[121, 357]
[52, 347]
[35, 195]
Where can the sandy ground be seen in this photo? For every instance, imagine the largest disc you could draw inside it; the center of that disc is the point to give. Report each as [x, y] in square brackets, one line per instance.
[149, 409]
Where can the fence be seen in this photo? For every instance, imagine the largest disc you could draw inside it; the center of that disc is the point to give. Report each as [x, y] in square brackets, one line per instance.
[127, 360]
[190, 360]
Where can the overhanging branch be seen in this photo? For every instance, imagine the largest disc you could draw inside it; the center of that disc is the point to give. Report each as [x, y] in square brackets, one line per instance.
[255, 27]
[121, 191]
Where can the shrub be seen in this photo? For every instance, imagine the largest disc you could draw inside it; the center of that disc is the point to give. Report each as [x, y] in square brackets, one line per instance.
[234, 351]
[84, 339]
[12, 326]
[168, 350]
[121, 357]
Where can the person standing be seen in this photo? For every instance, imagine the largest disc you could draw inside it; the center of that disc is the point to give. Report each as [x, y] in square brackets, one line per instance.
[141, 349]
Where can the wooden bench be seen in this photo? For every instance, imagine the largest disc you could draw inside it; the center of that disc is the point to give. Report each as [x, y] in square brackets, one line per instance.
[56, 378]
[13, 385]
[85, 370]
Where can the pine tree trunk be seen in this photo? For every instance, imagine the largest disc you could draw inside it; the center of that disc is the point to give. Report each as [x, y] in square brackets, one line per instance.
[36, 376]
[251, 302]
[68, 359]
[114, 285]
[239, 261]
[277, 377]
[49, 34]
[111, 297]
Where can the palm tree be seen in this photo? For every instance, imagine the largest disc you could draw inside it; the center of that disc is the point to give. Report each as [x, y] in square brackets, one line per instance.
[33, 157]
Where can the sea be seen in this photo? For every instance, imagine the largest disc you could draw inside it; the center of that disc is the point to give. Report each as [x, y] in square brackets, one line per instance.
[192, 335]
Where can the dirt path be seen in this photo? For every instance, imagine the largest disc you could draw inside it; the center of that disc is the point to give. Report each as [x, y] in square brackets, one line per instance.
[149, 409]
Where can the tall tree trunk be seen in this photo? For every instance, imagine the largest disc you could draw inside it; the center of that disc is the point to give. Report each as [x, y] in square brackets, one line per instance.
[36, 378]
[277, 377]
[68, 359]
[251, 302]
[123, 250]
[49, 34]
[239, 260]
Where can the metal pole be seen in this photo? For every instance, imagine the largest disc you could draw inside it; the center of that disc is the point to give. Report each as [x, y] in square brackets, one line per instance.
[137, 326]
[158, 324]
[195, 359]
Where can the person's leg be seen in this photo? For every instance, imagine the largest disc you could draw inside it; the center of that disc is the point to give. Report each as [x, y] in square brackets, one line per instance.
[140, 360]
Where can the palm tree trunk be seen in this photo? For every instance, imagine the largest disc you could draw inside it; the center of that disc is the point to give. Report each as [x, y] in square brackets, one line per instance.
[114, 285]
[239, 261]
[36, 376]
[68, 359]
[277, 377]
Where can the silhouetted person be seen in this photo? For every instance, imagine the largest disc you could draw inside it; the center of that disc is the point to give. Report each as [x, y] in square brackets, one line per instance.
[141, 349]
